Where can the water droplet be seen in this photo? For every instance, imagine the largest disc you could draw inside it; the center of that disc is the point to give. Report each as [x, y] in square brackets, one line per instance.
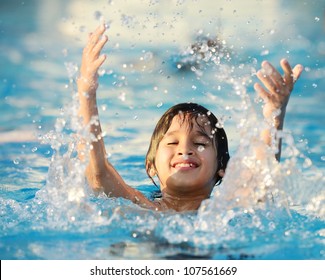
[109, 72]
[34, 149]
[265, 52]
[307, 163]
[97, 15]
[185, 157]
[60, 124]
[82, 28]
[200, 148]
[101, 72]
[159, 104]
[65, 52]
[16, 161]
[219, 125]
[72, 69]
[126, 20]
[122, 96]
[148, 56]
[317, 19]
[272, 226]
[322, 158]
[314, 85]
[193, 87]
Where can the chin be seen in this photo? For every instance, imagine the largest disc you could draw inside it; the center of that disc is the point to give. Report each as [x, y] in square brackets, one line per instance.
[183, 185]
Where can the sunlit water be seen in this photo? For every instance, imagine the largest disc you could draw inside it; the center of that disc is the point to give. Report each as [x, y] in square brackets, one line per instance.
[47, 210]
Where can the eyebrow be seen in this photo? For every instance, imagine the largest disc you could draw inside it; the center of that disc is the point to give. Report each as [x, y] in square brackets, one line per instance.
[196, 133]
[202, 134]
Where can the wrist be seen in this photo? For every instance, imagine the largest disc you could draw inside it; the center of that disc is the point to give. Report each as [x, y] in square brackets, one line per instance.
[275, 117]
[87, 85]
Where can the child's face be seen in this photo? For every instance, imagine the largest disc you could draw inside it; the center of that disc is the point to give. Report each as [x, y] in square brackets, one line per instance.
[186, 159]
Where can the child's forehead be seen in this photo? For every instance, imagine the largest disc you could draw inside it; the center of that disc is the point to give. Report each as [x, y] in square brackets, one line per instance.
[192, 123]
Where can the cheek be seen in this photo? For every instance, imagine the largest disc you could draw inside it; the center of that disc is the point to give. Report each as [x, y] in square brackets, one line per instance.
[162, 157]
[209, 157]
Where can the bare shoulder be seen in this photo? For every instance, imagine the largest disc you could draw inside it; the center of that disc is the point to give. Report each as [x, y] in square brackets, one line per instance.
[140, 199]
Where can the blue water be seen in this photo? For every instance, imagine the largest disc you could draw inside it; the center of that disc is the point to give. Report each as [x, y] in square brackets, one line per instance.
[47, 210]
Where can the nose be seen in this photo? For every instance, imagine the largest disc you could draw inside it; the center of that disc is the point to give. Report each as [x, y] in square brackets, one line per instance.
[184, 149]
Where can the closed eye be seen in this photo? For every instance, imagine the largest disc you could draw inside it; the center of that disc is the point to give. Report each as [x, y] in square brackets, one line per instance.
[200, 144]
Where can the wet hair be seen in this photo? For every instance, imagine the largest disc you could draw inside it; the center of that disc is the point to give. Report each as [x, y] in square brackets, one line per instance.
[189, 112]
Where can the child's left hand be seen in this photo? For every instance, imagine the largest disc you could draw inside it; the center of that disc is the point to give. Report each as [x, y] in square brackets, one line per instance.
[278, 88]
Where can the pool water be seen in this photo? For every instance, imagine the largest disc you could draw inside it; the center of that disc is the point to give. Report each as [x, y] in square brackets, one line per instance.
[47, 210]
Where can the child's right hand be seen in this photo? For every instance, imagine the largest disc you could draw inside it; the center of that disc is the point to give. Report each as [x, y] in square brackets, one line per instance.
[92, 60]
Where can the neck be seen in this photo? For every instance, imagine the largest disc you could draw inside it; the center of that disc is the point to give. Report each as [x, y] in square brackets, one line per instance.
[183, 203]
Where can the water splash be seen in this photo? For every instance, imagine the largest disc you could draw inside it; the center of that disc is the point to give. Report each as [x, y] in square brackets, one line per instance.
[257, 198]
[204, 52]
[66, 197]
[256, 201]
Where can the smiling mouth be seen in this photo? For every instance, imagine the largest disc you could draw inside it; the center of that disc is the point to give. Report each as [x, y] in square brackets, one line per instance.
[185, 165]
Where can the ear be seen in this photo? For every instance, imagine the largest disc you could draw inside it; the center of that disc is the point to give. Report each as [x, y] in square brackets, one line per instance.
[152, 172]
[150, 169]
[221, 173]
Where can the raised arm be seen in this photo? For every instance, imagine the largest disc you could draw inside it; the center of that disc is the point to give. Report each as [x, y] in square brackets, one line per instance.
[100, 173]
[87, 85]
[276, 93]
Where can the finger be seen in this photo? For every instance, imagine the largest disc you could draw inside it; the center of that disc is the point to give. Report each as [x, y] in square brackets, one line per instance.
[261, 92]
[99, 46]
[297, 70]
[267, 81]
[272, 73]
[99, 62]
[94, 37]
[288, 77]
[86, 48]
